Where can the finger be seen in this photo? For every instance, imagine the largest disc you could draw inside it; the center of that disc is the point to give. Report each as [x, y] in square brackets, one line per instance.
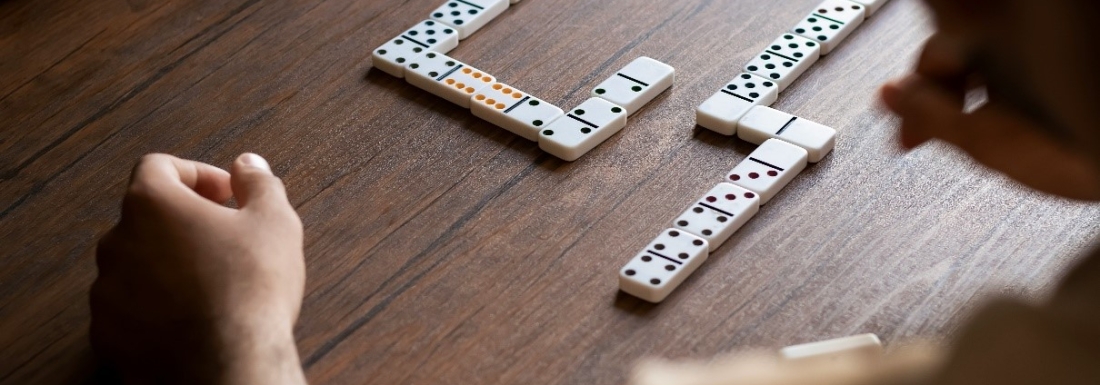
[993, 136]
[943, 58]
[946, 61]
[908, 137]
[1012, 144]
[255, 186]
[926, 110]
[208, 181]
[165, 172]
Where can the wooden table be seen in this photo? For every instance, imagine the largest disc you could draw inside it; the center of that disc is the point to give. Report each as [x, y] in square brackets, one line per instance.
[443, 250]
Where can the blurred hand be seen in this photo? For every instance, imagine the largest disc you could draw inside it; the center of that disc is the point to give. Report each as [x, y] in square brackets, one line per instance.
[1024, 130]
[1040, 127]
[192, 291]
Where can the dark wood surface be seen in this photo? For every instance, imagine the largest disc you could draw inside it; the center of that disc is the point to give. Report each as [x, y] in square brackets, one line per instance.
[443, 250]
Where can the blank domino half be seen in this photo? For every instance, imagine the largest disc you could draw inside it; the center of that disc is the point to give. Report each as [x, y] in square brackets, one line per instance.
[427, 36]
[468, 16]
[721, 111]
[514, 110]
[860, 347]
[769, 168]
[719, 213]
[582, 129]
[636, 84]
[762, 123]
[447, 78]
[663, 265]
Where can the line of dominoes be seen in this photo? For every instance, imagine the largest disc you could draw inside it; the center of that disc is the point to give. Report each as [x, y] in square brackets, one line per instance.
[781, 63]
[419, 56]
[786, 142]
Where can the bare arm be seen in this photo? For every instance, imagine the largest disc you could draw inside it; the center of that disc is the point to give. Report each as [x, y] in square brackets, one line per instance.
[192, 291]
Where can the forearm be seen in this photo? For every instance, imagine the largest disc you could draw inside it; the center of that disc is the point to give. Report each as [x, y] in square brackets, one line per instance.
[261, 355]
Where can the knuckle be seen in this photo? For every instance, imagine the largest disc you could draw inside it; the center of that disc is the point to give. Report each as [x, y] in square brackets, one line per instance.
[260, 180]
[277, 183]
[140, 191]
[150, 159]
[273, 188]
[139, 176]
[154, 156]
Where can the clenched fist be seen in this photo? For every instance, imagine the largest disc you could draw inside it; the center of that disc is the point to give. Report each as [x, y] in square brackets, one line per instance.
[192, 291]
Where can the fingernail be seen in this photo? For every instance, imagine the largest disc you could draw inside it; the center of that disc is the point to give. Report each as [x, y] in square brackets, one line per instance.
[256, 161]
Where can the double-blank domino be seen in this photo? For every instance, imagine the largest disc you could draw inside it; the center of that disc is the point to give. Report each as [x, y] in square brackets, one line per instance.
[719, 213]
[785, 59]
[762, 123]
[429, 35]
[831, 22]
[468, 16]
[447, 78]
[769, 168]
[636, 84]
[663, 265]
[514, 110]
[582, 129]
[721, 111]
[859, 347]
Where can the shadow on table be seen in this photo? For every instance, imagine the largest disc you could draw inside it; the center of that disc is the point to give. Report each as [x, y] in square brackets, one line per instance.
[633, 305]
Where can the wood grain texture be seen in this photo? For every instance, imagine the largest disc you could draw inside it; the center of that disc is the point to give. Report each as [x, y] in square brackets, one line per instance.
[443, 250]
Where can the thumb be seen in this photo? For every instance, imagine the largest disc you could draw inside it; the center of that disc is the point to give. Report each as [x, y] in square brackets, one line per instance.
[255, 186]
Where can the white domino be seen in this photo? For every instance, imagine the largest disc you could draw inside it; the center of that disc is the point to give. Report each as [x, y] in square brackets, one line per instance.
[636, 84]
[447, 78]
[785, 59]
[769, 168]
[722, 110]
[719, 213]
[582, 129]
[514, 110]
[663, 265]
[762, 123]
[872, 5]
[468, 16]
[429, 35]
[859, 347]
[831, 22]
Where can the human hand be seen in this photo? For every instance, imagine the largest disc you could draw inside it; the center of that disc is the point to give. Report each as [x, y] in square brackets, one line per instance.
[1029, 128]
[192, 291]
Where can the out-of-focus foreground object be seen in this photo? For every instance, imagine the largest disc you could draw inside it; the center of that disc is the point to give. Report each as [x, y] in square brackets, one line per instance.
[909, 364]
